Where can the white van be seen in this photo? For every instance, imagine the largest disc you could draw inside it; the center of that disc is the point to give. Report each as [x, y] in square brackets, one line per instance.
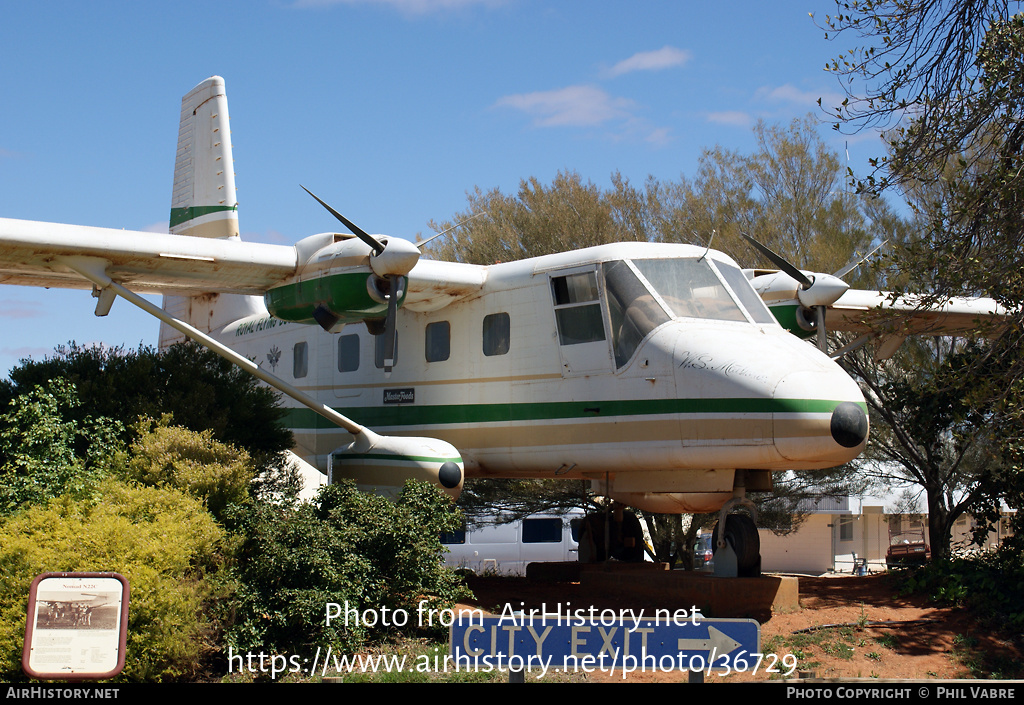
[506, 549]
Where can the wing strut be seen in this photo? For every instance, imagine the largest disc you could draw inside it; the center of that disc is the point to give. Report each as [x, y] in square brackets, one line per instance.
[94, 270]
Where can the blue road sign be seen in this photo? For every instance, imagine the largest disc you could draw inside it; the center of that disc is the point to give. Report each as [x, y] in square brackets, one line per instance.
[569, 642]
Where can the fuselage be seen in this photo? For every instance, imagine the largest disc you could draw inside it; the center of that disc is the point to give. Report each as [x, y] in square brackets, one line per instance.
[654, 367]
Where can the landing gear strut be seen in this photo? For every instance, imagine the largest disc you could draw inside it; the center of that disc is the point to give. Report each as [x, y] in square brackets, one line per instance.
[614, 535]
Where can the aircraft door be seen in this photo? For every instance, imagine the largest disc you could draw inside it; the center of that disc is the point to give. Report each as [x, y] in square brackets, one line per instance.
[583, 343]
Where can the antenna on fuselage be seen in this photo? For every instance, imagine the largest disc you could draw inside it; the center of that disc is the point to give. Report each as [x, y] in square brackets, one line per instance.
[710, 240]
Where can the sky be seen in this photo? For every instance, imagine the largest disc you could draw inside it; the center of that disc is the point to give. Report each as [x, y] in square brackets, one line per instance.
[390, 110]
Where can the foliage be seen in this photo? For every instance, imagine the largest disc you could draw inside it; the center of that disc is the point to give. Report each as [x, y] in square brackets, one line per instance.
[788, 194]
[989, 584]
[164, 542]
[484, 499]
[215, 473]
[542, 219]
[927, 429]
[199, 389]
[352, 548]
[43, 456]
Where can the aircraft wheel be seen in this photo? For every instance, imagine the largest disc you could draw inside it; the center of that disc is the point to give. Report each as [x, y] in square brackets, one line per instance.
[741, 534]
[624, 532]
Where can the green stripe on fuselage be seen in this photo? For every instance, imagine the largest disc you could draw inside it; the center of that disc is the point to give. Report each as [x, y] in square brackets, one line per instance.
[440, 415]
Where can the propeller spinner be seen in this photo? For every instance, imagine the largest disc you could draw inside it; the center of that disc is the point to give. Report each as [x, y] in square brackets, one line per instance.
[391, 259]
[816, 292]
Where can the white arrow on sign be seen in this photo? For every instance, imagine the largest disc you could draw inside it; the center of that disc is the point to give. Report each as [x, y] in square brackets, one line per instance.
[721, 643]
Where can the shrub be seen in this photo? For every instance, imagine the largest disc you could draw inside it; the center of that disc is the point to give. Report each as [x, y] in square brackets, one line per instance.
[196, 463]
[164, 542]
[378, 556]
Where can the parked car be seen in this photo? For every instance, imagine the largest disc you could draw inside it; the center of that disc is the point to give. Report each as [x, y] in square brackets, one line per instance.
[507, 548]
[906, 549]
[703, 553]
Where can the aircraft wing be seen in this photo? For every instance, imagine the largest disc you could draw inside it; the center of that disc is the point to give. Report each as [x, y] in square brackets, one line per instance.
[161, 263]
[862, 311]
[147, 263]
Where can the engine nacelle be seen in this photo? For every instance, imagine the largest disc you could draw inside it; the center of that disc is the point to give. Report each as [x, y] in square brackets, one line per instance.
[383, 464]
[341, 281]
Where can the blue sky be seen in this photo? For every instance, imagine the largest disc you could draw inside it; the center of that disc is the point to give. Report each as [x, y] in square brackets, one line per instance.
[391, 110]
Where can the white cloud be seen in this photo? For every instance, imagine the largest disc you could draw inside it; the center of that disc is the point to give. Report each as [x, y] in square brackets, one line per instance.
[789, 93]
[20, 308]
[577, 106]
[663, 58]
[730, 117]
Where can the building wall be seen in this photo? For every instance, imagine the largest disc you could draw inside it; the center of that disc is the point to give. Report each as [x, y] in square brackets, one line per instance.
[833, 541]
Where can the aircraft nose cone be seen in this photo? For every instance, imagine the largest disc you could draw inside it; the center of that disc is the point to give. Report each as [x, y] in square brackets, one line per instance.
[849, 425]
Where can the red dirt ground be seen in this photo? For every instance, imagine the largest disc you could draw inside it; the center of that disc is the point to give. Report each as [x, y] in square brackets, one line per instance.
[929, 641]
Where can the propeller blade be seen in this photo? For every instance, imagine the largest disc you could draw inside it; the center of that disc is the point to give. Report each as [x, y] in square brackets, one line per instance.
[376, 245]
[390, 328]
[779, 262]
[819, 312]
[421, 243]
[853, 264]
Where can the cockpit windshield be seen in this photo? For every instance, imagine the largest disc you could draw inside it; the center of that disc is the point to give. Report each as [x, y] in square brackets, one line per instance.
[643, 294]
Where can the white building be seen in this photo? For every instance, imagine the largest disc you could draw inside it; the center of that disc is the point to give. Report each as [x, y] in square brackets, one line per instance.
[836, 533]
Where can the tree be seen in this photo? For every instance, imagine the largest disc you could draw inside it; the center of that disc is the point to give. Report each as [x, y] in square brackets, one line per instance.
[541, 220]
[199, 389]
[952, 72]
[926, 431]
[788, 194]
[43, 456]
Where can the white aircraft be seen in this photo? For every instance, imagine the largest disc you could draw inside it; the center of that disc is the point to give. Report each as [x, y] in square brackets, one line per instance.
[654, 370]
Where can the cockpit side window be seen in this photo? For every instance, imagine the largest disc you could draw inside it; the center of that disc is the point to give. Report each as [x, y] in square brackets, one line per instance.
[633, 310]
[577, 308]
[749, 299]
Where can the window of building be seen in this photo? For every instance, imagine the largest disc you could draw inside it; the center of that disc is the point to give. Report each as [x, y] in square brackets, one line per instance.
[497, 334]
[348, 353]
[438, 344]
[846, 528]
[300, 360]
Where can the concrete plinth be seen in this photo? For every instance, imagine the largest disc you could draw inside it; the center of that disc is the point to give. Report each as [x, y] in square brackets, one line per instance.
[755, 598]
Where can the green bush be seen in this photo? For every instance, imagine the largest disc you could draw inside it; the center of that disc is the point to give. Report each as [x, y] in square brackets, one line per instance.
[988, 584]
[349, 547]
[196, 463]
[43, 456]
[164, 542]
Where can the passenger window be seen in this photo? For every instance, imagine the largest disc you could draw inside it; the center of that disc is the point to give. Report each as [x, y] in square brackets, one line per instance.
[348, 353]
[577, 309]
[542, 530]
[438, 341]
[497, 334]
[300, 360]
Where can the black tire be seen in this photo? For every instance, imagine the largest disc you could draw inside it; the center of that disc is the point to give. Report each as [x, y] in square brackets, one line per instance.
[741, 534]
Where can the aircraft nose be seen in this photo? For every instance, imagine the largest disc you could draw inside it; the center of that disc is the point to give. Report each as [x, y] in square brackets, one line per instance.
[849, 425]
[821, 419]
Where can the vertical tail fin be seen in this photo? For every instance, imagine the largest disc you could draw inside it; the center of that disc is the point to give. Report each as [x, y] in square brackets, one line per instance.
[204, 203]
